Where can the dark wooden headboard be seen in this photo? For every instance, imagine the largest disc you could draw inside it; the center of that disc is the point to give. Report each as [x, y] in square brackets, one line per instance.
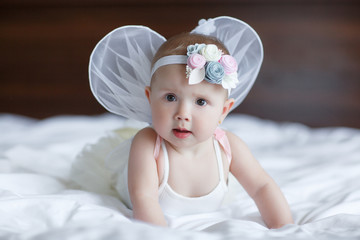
[310, 74]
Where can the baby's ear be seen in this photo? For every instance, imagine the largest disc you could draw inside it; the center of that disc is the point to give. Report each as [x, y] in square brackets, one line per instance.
[147, 92]
[227, 107]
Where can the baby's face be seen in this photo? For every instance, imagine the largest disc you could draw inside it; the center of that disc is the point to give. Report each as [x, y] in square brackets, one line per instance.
[185, 114]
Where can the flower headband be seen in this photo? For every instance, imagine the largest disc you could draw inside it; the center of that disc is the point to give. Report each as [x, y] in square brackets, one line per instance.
[120, 64]
[205, 62]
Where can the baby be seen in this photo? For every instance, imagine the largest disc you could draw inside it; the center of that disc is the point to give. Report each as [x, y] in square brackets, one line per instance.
[180, 164]
[185, 119]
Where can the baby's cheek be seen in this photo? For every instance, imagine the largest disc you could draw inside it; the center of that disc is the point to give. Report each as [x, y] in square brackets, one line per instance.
[157, 112]
[207, 126]
[160, 120]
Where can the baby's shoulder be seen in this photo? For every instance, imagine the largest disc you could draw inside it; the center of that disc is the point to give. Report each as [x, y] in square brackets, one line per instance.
[239, 149]
[146, 132]
[238, 146]
[145, 137]
[233, 138]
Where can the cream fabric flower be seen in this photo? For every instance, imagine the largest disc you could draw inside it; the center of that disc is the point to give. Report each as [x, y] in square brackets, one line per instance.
[229, 81]
[211, 52]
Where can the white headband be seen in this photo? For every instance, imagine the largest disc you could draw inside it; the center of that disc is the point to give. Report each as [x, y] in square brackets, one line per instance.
[120, 64]
[171, 59]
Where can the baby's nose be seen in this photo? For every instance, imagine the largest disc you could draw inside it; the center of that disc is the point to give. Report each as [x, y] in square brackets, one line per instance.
[180, 117]
[183, 113]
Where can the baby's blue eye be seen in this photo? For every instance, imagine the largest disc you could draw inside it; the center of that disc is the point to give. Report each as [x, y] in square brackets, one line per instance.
[170, 97]
[201, 102]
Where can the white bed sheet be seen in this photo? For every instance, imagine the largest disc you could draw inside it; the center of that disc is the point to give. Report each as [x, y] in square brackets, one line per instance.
[317, 169]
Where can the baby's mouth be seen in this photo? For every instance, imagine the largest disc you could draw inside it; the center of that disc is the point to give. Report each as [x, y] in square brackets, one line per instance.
[181, 132]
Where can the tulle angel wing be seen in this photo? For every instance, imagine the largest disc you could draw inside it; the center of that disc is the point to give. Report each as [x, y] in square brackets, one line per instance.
[120, 64]
[243, 44]
[119, 70]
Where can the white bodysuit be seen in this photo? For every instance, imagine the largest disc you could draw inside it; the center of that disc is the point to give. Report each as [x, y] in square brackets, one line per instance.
[174, 204]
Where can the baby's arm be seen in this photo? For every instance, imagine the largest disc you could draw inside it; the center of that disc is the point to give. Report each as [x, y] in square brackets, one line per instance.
[143, 180]
[270, 201]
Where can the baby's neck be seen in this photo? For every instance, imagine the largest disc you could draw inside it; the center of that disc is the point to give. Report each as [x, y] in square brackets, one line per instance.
[191, 152]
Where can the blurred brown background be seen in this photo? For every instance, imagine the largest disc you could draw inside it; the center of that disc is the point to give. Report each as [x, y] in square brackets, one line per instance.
[310, 74]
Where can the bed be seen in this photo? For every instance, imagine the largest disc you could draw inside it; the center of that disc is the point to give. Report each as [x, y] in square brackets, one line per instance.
[317, 169]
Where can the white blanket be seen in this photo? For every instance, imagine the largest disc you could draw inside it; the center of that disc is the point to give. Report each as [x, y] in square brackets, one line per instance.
[317, 169]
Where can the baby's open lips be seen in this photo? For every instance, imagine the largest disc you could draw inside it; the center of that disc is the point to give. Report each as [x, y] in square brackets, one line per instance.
[181, 132]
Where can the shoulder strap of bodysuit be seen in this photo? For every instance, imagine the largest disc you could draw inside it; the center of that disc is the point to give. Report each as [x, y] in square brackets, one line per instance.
[219, 159]
[157, 147]
[221, 137]
[158, 144]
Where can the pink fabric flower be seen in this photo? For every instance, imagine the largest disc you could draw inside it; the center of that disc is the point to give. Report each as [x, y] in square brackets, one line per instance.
[196, 61]
[229, 63]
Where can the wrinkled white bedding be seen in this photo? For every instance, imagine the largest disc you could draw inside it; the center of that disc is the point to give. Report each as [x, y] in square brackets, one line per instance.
[317, 169]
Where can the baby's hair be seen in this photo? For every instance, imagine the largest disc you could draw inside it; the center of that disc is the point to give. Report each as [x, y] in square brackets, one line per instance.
[177, 45]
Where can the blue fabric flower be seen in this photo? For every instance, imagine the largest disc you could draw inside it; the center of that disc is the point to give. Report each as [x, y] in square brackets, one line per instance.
[214, 72]
[191, 49]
